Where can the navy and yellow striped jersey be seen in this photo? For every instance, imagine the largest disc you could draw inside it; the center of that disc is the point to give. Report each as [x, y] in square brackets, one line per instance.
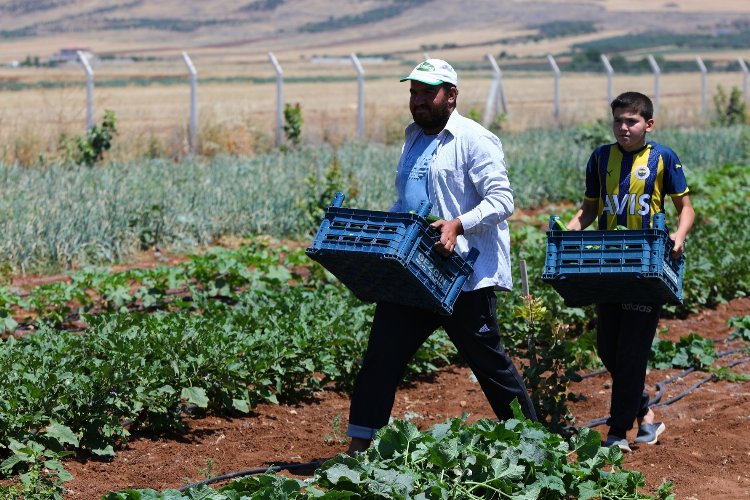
[631, 187]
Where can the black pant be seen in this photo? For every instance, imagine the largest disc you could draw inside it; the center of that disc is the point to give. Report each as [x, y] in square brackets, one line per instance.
[398, 331]
[625, 333]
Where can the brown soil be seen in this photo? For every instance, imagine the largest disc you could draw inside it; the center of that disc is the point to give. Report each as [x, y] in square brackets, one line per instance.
[705, 450]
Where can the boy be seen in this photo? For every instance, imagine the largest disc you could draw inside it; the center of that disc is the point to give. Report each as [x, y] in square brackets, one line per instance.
[626, 185]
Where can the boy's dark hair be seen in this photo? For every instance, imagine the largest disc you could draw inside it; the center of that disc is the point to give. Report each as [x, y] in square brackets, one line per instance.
[634, 101]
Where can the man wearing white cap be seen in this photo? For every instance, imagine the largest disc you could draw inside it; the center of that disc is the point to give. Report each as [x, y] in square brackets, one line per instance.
[459, 166]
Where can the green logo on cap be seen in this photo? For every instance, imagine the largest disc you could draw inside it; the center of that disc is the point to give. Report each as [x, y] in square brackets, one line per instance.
[425, 66]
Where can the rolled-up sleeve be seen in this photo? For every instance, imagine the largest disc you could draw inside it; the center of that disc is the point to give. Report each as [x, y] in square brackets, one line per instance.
[487, 172]
[469, 180]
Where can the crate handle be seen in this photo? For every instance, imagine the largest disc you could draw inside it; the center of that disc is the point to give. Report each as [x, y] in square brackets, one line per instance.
[472, 256]
[659, 221]
[338, 199]
[423, 210]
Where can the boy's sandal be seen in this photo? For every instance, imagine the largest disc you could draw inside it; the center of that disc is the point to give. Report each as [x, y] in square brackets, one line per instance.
[621, 443]
[649, 433]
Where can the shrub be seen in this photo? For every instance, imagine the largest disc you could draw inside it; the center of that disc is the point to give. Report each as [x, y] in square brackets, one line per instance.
[90, 149]
[730, 110]
[293, 123]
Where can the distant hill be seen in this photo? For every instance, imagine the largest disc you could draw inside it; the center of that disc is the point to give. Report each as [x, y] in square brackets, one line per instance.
[42, 27]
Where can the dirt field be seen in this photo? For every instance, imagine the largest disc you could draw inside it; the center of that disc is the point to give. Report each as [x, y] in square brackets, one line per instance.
[705, 450]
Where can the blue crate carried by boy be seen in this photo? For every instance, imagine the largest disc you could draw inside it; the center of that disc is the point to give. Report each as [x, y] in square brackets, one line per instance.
[613, 266]
[389, 256]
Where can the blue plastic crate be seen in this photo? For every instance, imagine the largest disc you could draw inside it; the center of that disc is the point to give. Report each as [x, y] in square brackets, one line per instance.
[627, 266]
[389, 256]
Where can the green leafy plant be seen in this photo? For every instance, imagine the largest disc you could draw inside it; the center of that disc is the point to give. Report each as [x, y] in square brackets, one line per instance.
[730, 110]
[692, 351]
[293, 123]
[551, 366]
[149, 224]
[90, 149]
[42, 472]
[84, 219]
[594, 134]
[7, 322]
[498, 122]
[475, 115]
[726, 373]
[714, 245]
[583, 351]
[741, 326]
[209, 470]
[337, 435]
[664, 491]
[321, 191]
[453, 460]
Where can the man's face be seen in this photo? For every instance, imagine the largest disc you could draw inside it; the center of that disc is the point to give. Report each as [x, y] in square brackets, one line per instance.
[430, 106]
[630, 128]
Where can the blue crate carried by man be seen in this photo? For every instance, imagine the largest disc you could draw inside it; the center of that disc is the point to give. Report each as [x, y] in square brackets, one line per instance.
[390, 256]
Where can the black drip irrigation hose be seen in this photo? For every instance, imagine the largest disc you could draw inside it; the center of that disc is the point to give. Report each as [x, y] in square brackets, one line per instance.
[594, 373]
[660, 385]
[250, 472]
[656, 401]
[698, 384]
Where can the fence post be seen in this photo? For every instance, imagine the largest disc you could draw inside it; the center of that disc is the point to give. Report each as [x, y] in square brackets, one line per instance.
[279, 99]
[657, 73]
[610, 78]
[89, 90]
[743, 67]
[496, 96]
[193, 125]
[360, 95]
[556, 70]
[704, 88]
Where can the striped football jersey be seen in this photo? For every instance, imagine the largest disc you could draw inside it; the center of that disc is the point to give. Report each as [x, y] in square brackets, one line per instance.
[631, 186]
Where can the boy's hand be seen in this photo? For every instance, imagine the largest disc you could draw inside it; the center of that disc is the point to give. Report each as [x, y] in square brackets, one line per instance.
[585, 215]
[679, 245]
[449, 231]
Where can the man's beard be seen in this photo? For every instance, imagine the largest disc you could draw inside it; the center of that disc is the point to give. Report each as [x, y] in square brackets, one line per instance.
[435, 118]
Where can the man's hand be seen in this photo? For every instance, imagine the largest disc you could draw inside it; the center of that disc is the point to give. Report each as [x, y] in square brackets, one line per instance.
[449, 231]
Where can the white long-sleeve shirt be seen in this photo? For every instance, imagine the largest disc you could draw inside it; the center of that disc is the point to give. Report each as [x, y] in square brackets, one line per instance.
[468, 179]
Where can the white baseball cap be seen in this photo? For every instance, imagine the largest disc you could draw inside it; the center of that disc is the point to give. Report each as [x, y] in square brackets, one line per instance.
[433, 72]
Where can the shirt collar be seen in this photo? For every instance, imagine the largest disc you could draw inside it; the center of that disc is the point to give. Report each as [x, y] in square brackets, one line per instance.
[633, 153]
[454, 122]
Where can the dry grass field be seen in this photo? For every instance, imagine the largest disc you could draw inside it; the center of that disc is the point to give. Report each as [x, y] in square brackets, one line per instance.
[237, 92]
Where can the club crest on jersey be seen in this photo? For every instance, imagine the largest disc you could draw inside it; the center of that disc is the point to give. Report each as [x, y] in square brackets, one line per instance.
[642, 172]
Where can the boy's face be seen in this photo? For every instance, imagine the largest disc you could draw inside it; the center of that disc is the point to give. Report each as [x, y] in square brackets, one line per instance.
[630, 128]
